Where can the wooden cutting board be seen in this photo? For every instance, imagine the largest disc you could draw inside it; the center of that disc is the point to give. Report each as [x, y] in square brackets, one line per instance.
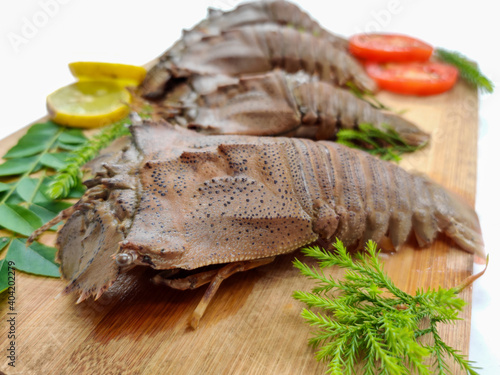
[253, 325]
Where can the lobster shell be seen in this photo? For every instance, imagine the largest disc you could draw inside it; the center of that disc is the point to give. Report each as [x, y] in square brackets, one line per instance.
[175, 199]
[267, 12]
[275, 103]
[257, 49]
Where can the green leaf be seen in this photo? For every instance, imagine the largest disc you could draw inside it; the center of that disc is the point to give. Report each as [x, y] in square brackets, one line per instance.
[4, 284]
[27, 146]
[55, 206]
[72, 137]
[37, 259]
[48, 252]
[50, 211]
[44, 129]
[77, 191]
[29, 190]
[18, 219]
[67, 146]
[18, 166]
[4, 187]
[54, 160]
[34, 141]
[14, 199]
[3, 242]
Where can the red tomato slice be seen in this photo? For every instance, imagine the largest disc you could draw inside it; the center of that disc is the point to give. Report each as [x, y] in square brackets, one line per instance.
[427, 78]
[389, 47]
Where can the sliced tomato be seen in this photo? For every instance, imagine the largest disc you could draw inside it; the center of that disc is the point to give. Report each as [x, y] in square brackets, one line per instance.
[427, 78]
[389, 47]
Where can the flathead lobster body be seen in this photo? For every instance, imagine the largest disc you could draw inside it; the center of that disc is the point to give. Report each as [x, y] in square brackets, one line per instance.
[277, 13]
[277, 104]
[177, 199]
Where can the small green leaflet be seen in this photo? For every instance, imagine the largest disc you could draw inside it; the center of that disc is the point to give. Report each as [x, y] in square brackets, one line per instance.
[24, 203]
[18, 219]
[73, 137]
[14, 199]
[67, 146]
[42, 213]
[3, 242]
[36, 140]
[49, 210]
[4, 187]
[55, 160]
[19, 166]
[37, 259]
[29, 189]
[3, 275]
[71, 140]
[77, 191]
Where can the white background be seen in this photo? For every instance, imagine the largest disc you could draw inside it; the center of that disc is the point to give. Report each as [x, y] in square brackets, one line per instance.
[38, 38]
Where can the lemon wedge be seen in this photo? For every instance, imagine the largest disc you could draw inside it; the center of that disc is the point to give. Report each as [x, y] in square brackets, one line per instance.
[88, 104]
[122, 74]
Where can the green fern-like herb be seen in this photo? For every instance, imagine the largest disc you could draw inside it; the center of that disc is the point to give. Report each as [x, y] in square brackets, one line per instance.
[367, 96]
[366, 319]
[468, 69]
[388, 144]
[70, 175]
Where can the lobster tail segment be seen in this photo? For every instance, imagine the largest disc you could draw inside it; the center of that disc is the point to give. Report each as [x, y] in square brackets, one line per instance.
[374, 198]
[434, 209]
[457, 220]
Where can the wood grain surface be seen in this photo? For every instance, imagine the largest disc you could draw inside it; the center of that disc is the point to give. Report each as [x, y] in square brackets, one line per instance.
[253, 325]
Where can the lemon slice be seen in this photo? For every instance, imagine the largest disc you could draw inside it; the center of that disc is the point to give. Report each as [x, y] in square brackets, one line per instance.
[122, 74]
[88, 104]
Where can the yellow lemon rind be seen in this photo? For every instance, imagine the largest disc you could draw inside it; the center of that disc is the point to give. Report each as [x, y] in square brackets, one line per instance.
[123, 74]
[88, 121]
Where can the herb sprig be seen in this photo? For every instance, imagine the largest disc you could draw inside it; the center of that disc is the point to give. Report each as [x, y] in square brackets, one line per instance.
[24, 202]
[388, 145]
[368, 97]
[467, 68]
[366, 318]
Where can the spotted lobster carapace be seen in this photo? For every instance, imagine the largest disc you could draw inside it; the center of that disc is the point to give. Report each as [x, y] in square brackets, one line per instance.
[174, 199]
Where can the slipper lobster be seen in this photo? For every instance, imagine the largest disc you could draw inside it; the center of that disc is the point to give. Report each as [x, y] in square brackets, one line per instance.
[174, 199]
[255, 13]
[276, 104]
[257, 49]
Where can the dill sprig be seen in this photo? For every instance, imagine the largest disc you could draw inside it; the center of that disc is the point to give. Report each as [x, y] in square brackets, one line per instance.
[388, 144]
[70, 175]
[367, 96]
[467, 68]
[366, 319]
